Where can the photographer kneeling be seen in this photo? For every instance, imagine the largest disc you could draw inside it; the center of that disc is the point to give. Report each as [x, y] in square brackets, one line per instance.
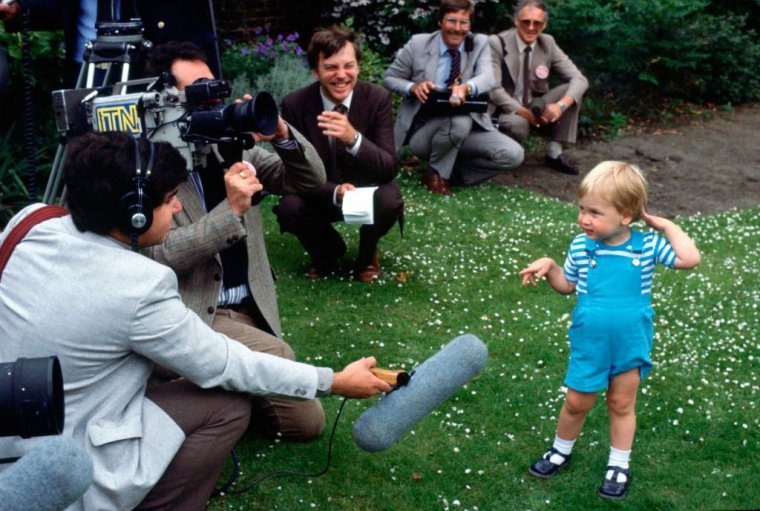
[73, 288]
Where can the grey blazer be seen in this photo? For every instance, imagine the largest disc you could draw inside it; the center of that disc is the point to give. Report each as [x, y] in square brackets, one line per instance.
[108, 314]
[192, 247]
[546, 53]
[417, 61]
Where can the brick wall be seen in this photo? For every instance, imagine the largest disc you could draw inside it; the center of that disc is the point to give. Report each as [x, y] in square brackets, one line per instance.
[235, 19]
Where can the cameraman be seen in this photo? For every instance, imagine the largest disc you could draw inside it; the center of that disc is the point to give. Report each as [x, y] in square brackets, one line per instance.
[72, 287]
[216, 245]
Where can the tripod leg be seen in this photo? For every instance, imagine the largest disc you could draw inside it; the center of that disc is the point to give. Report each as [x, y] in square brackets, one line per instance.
[54, 181]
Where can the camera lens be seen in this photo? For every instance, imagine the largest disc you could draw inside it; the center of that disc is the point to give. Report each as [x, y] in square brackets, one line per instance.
[259, 114]
[31, 397]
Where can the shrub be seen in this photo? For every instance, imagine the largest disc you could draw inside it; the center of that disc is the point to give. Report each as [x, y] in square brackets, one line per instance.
[256, 58]
[660, 48]
[287, 74]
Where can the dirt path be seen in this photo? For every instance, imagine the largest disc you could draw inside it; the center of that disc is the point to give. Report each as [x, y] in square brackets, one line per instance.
[706, 166]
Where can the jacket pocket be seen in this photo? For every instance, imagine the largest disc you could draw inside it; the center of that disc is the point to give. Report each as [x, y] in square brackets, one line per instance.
[105, 431]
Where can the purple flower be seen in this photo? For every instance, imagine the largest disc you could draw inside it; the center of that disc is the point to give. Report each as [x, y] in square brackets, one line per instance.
[228, 42]
[285, 46]
[244, 51]
[257, 30]
[292, 37]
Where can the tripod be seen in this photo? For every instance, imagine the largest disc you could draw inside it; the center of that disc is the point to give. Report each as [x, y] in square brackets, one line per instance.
[117, 43]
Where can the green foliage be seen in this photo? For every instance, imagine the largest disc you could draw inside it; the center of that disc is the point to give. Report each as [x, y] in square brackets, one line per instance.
[660, 47]
[13, 191]
[257, 57]
[46, 51]
[455, 271]
[288, 74]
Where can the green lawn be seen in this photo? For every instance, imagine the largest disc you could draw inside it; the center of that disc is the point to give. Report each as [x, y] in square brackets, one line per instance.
[455, 271]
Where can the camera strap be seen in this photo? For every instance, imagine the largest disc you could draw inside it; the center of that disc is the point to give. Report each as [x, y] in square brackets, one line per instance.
[21, 229]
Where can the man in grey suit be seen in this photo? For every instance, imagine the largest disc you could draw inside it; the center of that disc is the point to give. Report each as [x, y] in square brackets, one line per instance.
[524, 58]
[216, 245]
[74, 289]
[461, 147]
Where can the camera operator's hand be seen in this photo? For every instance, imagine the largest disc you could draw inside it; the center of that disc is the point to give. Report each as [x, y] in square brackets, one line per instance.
[356, 380]
[422, 90]
[282, 133]
[241, 183]
[335, 124]
[9, 12]
[342, 189]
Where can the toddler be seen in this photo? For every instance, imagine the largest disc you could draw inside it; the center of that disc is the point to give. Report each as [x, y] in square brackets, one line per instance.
[610, 267]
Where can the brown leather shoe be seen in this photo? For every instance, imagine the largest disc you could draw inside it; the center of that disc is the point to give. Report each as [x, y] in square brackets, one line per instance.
[562, 163]
[435, 183]
[369, 273]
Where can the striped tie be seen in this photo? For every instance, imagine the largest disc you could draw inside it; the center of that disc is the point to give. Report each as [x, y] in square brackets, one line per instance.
[456, 62]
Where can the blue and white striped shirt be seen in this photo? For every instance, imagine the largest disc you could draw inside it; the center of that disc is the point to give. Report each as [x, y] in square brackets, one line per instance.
[655, 249]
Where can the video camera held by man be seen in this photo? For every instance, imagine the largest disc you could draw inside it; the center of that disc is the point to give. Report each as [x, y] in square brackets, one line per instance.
[188, 119]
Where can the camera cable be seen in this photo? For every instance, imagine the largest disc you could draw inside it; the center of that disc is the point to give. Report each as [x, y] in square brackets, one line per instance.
[225, 489]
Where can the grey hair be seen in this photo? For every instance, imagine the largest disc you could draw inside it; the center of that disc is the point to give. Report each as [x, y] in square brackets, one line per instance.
[539, 4]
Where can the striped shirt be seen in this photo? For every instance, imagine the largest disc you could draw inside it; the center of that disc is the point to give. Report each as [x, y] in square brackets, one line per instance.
[654, 249]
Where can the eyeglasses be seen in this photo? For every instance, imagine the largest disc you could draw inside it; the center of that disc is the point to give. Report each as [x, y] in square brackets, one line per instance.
[455, 22]
[537, 23]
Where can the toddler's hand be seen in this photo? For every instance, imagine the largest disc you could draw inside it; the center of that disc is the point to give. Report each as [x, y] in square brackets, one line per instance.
[655, 222]
[536, 271]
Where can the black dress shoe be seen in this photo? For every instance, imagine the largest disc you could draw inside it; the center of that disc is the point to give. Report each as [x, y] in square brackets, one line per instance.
[611, 488]
[561, 163]
[545, 468]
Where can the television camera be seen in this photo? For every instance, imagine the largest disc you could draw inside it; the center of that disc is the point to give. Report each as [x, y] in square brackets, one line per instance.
[189, 120]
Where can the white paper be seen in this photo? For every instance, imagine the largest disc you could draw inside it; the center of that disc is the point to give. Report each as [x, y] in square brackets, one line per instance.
[358, 206]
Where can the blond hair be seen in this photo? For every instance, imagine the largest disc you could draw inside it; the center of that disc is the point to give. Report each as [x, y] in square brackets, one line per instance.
[621, 184]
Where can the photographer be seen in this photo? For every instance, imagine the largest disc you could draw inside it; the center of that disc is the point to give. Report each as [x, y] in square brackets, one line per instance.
[524, 59]
[461, 149]
[73, 288]
[216, 244]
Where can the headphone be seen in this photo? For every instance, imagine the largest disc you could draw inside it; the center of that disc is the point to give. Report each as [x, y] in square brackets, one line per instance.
[135, 209]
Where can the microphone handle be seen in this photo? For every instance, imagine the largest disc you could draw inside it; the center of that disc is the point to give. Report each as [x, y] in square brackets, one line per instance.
[391, 376]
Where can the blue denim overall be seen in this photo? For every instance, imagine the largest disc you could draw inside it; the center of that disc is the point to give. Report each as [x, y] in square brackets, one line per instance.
[612, 327]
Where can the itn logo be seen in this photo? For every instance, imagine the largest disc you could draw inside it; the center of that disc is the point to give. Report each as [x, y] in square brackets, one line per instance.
[119, 117]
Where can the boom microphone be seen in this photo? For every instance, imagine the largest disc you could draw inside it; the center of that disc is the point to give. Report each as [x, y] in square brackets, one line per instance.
[51, 476]
[434, 381]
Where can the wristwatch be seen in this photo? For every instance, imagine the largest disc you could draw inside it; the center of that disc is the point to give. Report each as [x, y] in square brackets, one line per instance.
[469, 90]
[562, 106]
[353, 143]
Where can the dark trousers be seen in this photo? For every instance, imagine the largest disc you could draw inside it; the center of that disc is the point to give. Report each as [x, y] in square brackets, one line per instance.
[310, 218]
[213, 420]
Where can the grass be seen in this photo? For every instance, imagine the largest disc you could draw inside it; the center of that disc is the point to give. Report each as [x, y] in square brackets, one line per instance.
[455, 271]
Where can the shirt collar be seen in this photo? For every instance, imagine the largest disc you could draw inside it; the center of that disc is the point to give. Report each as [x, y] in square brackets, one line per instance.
[521, 45]
[442, 48]
[329, 105]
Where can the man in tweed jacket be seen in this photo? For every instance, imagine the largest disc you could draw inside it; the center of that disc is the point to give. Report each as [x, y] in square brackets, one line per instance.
[216, 246]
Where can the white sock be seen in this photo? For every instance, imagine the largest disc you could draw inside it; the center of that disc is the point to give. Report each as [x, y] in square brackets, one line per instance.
[620, 459]
[553, 149]
[563, 446]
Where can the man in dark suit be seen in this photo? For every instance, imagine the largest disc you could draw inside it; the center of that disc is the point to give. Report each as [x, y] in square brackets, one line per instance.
[350, 124]
[524, 58]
